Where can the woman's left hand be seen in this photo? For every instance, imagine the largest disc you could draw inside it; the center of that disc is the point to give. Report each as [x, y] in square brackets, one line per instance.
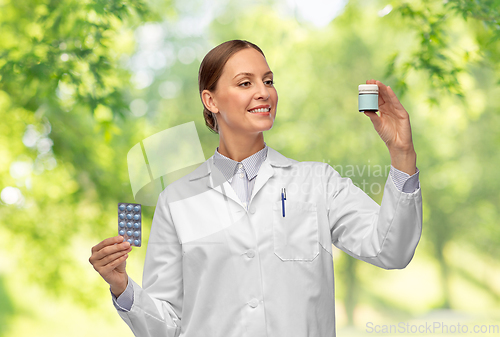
[393, 126]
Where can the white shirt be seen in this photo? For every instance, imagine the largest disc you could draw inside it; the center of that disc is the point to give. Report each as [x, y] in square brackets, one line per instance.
[264, 254]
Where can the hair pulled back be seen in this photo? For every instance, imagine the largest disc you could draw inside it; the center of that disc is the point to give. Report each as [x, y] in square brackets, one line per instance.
[211, 70]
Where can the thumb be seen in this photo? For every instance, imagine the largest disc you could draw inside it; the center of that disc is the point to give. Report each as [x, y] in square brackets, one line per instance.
[374, 118]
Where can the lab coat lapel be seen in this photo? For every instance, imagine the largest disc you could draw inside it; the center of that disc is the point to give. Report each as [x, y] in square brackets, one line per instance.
[218, 182]
[266, 171]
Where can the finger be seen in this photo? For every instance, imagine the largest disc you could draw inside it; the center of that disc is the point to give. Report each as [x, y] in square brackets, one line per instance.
[107, 242]
[374, 118]
[398, 108]
[391, 93]
[383, 92]
[105, 261]
[109, 250]
[116, 256]
[381, 85]
[381, 100]
[112, 265]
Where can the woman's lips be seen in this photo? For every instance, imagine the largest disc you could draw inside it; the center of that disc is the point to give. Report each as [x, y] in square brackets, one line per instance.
[262, 106]
[261, 112]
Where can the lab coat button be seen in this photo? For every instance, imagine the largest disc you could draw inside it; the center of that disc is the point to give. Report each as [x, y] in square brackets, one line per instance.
[250, 253]
[253, 303]
[252, 209]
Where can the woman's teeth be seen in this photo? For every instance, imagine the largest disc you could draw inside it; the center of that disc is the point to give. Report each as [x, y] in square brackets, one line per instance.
[260, 110]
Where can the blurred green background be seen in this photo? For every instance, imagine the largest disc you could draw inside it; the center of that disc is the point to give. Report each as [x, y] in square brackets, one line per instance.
[81, 82]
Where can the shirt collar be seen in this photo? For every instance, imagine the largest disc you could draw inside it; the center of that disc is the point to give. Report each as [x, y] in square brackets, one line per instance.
[251, 164]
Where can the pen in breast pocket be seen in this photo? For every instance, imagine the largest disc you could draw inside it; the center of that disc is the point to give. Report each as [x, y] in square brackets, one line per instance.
[283, 198]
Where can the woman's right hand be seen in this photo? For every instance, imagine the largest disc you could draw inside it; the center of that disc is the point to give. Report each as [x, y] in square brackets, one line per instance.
[109, 259]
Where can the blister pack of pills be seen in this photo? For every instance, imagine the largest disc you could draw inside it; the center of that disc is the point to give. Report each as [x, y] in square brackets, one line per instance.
[130, 223]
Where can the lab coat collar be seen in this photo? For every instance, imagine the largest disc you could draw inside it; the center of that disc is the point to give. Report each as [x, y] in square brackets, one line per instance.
[218, 182]
[274, 158]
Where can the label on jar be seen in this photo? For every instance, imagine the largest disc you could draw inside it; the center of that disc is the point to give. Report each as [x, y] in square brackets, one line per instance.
[368, 102]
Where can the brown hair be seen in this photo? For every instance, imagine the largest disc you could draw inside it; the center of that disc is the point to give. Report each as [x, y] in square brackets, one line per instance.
[211, 70]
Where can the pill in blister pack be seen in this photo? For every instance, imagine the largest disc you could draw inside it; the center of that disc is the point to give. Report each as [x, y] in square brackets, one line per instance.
[129, 223]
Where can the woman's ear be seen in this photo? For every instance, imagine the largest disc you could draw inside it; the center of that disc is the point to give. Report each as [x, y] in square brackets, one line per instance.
[208, 100]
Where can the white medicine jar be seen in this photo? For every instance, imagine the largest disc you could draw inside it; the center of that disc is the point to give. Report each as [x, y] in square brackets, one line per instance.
[368, 97]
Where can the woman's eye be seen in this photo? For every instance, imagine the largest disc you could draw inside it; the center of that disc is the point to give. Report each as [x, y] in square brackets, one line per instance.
[269, 82]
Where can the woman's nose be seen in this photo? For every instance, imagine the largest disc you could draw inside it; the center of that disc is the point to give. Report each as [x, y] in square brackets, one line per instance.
[263, 92]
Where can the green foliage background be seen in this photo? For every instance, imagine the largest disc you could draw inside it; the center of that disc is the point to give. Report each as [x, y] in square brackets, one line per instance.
[81, 82]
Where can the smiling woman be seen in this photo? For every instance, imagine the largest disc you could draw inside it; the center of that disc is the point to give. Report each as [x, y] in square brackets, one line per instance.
[211, 70]
[242, 246]
[237, 90]
[235, 81]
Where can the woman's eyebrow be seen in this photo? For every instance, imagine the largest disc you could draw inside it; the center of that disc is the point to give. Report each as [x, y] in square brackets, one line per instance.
[250, 74]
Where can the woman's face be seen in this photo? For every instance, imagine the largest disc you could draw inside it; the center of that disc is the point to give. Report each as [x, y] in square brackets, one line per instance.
[246, 83]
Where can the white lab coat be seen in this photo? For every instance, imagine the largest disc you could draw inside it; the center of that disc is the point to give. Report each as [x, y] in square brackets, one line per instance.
[215, 269]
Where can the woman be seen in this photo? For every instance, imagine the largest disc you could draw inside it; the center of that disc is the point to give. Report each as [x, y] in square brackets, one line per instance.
[229, 254]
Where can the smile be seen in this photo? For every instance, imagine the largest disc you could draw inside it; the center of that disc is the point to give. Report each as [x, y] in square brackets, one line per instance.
[261, 111]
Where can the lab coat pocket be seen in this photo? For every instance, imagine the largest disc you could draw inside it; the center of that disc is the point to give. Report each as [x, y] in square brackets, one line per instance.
[295, 234]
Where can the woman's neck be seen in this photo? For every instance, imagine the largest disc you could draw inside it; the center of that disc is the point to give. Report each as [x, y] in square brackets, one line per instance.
[239, 148]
